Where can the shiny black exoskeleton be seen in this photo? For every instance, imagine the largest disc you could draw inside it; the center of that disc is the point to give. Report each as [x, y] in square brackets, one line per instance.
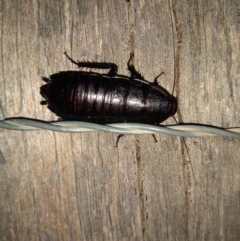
[107, 98]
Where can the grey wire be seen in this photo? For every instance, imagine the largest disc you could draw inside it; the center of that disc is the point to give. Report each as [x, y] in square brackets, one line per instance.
[2, 160]
[24, 124]
[183, 130]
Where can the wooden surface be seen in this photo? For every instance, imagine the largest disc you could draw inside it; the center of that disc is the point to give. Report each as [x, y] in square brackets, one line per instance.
[58, 186]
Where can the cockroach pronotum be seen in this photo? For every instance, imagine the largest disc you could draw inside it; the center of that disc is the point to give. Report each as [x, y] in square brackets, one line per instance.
[107, 98]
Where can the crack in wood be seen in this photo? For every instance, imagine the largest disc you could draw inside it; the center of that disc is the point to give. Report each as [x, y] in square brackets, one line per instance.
[140, 180]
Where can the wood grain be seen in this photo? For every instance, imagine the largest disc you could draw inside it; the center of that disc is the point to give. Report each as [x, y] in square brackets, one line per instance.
[60, 186]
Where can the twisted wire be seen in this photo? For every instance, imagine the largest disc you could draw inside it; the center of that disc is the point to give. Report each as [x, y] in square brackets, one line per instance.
[183, 130]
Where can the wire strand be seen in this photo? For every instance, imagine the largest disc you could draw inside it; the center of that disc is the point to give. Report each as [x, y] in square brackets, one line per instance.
[182, 130]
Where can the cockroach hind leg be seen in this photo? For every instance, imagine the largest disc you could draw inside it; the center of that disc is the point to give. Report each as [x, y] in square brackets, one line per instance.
[95, 65]
[118, 138]
[72, 61]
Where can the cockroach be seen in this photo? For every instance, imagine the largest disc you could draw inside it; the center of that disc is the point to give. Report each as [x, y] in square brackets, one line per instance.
[107, 98]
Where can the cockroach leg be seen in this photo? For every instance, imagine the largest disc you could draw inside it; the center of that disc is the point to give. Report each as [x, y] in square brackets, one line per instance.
[95, 65]
[43, 102]
[118, 138]
[133, 71]
[155, 139]
[156, 78]
[46, 80]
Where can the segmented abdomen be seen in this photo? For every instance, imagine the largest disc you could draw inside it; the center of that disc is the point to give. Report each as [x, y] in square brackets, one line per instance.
[93, 97]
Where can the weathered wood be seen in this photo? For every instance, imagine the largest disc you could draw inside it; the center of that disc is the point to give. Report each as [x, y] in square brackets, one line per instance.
[59, 186]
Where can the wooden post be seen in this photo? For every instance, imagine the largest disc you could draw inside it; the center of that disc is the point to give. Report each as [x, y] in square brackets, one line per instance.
[60, 186]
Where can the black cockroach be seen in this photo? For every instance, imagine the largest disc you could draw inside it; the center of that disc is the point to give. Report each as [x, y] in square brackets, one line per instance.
[107, 98]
